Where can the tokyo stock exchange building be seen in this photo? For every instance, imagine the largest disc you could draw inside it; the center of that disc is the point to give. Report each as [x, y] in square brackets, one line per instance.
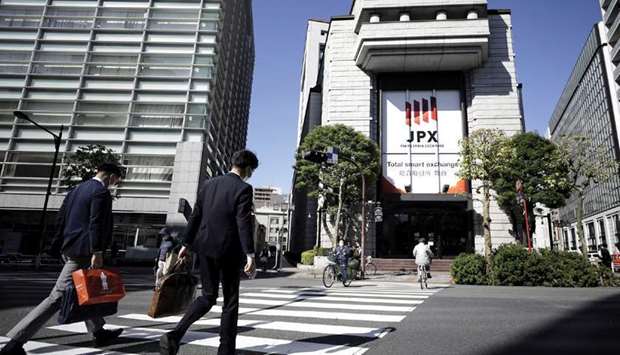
[416, 76]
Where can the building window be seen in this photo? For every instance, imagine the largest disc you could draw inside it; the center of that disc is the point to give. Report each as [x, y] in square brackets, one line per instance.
[472, 15]
[602, 234]
[573, 235]
[591, 236]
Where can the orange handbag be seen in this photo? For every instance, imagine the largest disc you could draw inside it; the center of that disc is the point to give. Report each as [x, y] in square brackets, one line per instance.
[95, 286]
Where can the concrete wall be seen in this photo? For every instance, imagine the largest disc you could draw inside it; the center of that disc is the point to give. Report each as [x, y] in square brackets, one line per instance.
[186, 179]
[348, 92]
[493, 102]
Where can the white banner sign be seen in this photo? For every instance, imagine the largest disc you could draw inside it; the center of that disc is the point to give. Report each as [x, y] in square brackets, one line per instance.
[421, 134]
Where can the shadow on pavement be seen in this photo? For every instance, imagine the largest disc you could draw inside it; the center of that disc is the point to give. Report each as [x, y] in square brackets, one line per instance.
[593, 329]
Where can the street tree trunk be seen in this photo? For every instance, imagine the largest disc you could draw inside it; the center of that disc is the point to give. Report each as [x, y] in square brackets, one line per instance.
[580, 233]
[486, 226]
[332, 229]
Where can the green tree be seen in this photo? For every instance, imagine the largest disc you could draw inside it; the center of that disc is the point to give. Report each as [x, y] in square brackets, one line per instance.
[83, 164]
[587, 165]
[483, 155]
[538, 163]
[338, 185]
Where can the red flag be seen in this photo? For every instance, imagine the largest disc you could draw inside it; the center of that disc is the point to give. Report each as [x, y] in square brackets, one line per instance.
[408, 113]
[416, 111]
[434, 113]
[425, 109]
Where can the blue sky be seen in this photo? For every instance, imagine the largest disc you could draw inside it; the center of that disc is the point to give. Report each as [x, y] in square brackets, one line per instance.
[548, 37]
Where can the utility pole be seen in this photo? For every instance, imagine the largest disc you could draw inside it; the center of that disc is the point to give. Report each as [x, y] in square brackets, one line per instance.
[43, 222]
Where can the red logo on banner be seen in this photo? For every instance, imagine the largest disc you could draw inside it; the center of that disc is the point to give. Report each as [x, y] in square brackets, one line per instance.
[427, 113]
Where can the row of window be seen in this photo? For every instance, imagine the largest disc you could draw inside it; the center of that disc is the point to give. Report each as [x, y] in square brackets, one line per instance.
[98, 83]
[406, 16]
[151, 37]
[111, 23]
[144, 71]
[603, 231]
[35, 5]
[152, 120]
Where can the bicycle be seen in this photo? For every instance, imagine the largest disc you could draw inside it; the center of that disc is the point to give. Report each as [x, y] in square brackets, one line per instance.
[331, 273]
[370, 267]
[423, 276]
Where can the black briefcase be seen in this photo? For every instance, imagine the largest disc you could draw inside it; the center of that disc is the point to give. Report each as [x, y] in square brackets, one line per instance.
[71, 311]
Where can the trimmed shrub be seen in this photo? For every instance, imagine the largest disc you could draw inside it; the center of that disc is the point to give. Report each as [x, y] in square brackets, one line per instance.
[322, 251]
[509, 263]
[607, 277]
[469, 269]
[307, 257]
[514, 266]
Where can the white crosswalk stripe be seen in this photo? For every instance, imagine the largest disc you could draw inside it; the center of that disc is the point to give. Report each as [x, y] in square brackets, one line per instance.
[37, 347]
[282, 320]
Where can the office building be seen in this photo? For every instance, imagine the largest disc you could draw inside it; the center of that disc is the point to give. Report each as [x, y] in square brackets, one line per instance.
[451, 64]
[165, 84]
[589, 107]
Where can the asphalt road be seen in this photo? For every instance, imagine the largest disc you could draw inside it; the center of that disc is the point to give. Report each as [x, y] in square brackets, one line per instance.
[284, 315]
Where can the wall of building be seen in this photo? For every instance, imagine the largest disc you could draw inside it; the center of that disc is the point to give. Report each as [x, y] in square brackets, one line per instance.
[493, 102]
[173, 105]
[348, 93]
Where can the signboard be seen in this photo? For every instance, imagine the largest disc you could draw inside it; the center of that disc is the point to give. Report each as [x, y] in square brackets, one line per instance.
[421, 134]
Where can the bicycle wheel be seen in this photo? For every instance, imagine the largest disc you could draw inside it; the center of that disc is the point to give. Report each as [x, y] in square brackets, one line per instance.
[329, 276]
[371, 269]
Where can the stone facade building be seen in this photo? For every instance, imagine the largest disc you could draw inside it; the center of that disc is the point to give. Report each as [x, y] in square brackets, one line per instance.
[428, 70]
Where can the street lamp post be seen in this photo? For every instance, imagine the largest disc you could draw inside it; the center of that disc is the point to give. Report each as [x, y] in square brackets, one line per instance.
[57, 140]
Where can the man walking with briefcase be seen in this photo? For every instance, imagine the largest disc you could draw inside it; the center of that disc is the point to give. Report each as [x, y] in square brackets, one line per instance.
[84, 231]
[220, 232]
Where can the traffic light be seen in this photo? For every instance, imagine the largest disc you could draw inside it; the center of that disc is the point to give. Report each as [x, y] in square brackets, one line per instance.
[315, 157]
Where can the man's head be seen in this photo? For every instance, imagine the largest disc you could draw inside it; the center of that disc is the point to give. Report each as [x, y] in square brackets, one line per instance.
[110, 173]
[421, 240]
[244, 162]
[341, 242]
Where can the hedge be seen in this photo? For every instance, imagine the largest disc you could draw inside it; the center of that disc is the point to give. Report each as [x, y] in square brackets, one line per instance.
[512, 265]
[469, 269]
[307, 257]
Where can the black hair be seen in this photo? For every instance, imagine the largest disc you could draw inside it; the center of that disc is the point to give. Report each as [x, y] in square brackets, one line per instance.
[111, 168]
[245, 159]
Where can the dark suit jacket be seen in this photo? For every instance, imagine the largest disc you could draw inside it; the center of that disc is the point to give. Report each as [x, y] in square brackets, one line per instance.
[85, 220]
[221, 224]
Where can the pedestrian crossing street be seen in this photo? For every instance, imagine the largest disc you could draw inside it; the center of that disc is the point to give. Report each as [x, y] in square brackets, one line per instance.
[337, 321]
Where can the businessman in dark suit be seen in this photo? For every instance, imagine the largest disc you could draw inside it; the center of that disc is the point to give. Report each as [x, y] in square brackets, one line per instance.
[220, 232]
[84, 232]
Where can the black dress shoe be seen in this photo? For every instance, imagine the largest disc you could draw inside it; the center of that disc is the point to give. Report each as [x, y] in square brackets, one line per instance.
[168, 344]
[104, 336]
[13, 348]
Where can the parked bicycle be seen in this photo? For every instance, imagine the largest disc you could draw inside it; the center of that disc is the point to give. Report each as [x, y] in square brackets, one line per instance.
[370, 267]
[333, 272]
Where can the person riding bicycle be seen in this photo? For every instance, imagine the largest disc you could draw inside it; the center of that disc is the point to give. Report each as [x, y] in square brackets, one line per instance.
[423, 255]
[342, 257]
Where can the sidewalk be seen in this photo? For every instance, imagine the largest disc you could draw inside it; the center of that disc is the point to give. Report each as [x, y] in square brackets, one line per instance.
[439, 278]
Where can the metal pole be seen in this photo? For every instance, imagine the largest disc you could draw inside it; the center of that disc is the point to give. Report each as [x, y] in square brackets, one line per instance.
[527, 227]
[57, 140]
[362, 262]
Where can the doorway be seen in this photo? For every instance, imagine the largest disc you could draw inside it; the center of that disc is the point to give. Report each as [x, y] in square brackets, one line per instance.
[447, 226]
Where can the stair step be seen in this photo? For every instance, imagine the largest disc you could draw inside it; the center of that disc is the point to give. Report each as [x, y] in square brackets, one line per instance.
[394, 265]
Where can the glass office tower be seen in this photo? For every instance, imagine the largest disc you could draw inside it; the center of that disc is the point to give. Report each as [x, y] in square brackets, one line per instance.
[165, 84]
